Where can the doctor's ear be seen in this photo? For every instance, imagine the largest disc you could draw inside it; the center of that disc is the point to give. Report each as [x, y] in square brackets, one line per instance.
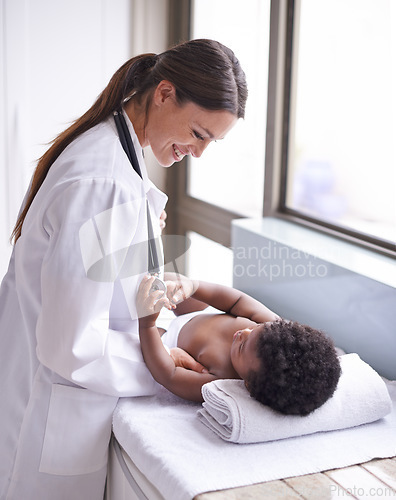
[164, 90]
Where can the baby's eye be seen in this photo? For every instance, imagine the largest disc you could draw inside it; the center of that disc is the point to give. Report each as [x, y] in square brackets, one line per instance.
[198, 135]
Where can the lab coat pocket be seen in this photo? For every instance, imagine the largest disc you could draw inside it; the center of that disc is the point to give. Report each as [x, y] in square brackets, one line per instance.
[78, 431]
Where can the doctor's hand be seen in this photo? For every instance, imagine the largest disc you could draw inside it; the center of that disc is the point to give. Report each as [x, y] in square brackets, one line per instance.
[162, 220]
[149, 303]
[184, 360]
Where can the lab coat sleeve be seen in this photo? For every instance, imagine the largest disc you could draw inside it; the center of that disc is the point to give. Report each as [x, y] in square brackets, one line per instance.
[91, 226]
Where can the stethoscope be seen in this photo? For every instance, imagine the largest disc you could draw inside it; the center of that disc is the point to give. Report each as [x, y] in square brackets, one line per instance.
[127, 145]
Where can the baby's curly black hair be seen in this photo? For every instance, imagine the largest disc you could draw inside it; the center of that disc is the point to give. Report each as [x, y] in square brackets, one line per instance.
[299, 368]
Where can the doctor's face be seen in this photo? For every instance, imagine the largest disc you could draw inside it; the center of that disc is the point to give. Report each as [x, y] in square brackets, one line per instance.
[174, 131]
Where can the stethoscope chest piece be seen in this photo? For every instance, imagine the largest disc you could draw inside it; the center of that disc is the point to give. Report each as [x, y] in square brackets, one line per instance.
[158, 284]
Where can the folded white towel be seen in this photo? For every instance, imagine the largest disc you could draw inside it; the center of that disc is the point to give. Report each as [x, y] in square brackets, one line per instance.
[361, 397]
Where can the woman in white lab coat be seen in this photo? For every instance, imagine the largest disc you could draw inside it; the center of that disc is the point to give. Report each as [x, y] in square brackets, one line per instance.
[69, 345]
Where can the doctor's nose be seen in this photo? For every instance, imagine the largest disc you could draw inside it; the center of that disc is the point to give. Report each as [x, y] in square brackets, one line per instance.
[199, 148]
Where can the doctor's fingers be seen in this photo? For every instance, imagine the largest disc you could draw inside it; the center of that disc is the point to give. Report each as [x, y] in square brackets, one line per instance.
[152, 303]
[145, 285]
[162, 220]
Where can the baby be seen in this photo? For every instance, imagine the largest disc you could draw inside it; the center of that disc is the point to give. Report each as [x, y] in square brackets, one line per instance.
[290, 367]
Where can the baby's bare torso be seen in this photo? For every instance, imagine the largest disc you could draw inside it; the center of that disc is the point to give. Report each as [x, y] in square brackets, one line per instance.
[208, 338]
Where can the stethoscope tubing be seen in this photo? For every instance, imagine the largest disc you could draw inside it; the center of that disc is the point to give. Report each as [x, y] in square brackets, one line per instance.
[128, 147]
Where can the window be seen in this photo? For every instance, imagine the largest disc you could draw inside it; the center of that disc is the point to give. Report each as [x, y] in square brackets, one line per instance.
[341, 162]
[230, 173]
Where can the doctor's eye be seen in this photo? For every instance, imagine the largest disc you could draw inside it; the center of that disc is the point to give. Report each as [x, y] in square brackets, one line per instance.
[198, 135]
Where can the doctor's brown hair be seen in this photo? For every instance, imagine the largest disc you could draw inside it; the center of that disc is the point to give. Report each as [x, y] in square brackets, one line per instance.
[204, 72]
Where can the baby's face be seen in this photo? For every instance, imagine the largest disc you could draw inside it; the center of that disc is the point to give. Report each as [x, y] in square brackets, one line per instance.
[243, 351]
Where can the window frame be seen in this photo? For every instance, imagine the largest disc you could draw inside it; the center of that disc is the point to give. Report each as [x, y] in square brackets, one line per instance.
[283, 26]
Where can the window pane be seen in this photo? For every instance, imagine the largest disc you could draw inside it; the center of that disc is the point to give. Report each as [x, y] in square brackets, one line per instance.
[208, 261]
[342, 161]
[230, 174]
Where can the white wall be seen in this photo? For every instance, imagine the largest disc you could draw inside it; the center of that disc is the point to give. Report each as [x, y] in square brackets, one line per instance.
[56, 58]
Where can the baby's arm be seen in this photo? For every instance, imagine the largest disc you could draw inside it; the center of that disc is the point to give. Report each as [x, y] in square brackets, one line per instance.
[181, 381]
[197, 295]
[233, 302]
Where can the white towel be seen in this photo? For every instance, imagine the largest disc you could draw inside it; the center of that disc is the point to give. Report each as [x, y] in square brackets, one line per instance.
[361, 397]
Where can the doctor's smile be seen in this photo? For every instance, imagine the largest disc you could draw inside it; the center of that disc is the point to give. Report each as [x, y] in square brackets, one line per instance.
[179, 155]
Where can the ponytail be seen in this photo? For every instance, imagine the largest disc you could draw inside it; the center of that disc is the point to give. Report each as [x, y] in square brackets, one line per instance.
[120, 88]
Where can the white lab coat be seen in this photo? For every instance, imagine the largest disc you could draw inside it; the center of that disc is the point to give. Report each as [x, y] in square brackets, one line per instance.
[69, 344]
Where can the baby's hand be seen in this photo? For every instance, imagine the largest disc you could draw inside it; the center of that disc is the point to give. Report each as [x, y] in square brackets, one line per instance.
[174, 292]
[148, 302]
[179, 287]
[183, 359]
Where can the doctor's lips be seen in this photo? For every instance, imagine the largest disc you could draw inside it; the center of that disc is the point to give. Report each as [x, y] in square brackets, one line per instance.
[179, 155]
